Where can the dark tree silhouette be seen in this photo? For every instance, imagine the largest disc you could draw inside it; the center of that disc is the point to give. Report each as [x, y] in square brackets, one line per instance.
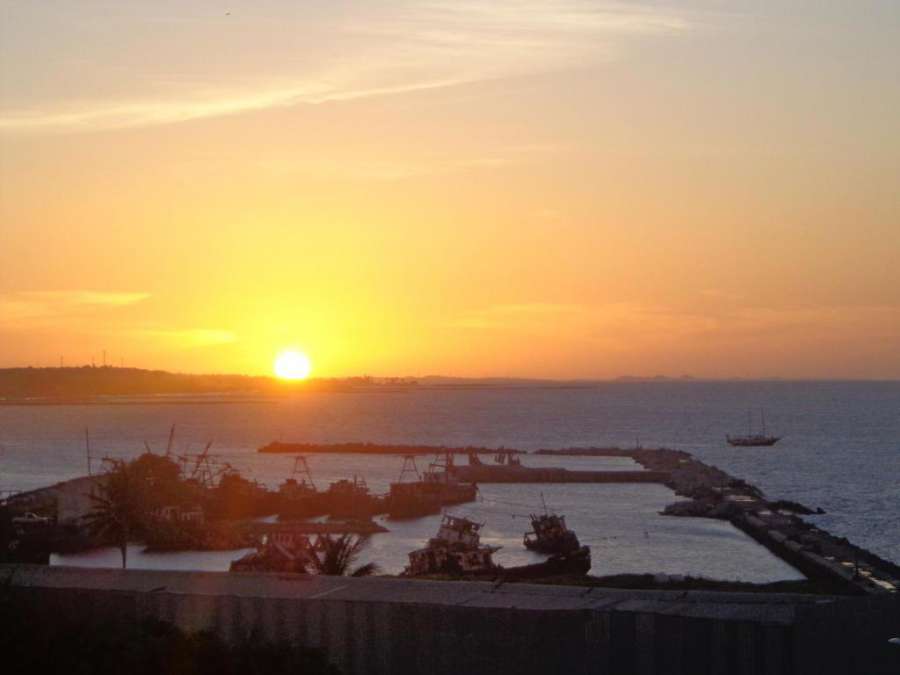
[334, 555]
[119, 510]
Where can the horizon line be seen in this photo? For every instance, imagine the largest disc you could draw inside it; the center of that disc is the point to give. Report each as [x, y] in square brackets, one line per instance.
[473, 378]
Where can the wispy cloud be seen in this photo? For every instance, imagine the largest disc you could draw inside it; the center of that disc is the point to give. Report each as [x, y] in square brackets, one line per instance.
[85, 298]
[629, 326]
[89, 312]
[38, 305]
[377, 169]
[516, 314]
[524, 23]
[125, 114]
[376, 50]
[189, 337]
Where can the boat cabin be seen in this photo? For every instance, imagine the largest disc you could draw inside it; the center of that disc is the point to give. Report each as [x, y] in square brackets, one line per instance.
[440, 558]
[550, 535]
[280, 551]
[456, 549]
[291, 488]
[455, 530]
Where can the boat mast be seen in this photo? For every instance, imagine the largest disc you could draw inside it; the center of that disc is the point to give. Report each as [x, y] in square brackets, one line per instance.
[87, 449]
[409, 467]
[171, 439]
[301, 471]
[448, 465]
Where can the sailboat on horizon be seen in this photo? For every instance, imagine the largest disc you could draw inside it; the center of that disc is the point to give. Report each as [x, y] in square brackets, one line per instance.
[752, 440]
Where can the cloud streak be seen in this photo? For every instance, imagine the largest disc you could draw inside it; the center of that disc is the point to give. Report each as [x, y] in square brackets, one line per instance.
[515, 315]
[393, 49]
[190, 337]
[628, 326]
[122, 115]
[388, 169]
[24, 306]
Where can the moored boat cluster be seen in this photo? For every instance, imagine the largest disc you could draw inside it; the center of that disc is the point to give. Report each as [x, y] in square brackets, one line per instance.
[457, 551]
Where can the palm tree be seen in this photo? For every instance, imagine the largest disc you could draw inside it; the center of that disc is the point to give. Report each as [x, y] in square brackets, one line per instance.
[119, 509]
[334, 556]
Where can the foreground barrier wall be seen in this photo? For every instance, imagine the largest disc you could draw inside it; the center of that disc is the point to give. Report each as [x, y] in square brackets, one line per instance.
[407, 626]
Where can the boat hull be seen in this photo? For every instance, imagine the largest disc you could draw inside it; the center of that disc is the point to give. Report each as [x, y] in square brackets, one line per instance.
[422, 498]
[574, 563]
[761, 442]
[556, 546]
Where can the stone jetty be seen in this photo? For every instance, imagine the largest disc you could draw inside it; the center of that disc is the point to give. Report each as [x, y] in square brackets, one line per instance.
[504, 474]
[831, 562]
[279, 447]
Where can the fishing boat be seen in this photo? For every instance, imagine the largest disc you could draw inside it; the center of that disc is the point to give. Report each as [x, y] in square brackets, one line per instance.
[351, 498]
[550, 535]
[297, 495]
[282, 551]
[506, 467]
[574, 563]
[753, 440]
[427, 493]
[456, 549]
[407, 497]
[441, 480]
[506, 458]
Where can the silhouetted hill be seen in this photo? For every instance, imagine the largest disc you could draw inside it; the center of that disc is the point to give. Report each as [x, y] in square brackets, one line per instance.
[654, 378]
[89, 382]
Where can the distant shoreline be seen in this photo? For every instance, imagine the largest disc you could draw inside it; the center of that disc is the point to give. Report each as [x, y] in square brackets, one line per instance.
[229, 398]
[28, 403]
[108, 385]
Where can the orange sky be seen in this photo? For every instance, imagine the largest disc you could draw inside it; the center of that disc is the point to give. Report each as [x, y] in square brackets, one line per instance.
[568, 189]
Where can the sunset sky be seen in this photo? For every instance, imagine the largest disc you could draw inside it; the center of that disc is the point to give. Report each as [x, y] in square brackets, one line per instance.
[571, 189]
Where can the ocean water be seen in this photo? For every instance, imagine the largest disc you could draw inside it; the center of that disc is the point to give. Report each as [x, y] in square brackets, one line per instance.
[841, 451]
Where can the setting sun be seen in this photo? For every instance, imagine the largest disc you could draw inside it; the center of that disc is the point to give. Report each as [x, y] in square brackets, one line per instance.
[292, 365]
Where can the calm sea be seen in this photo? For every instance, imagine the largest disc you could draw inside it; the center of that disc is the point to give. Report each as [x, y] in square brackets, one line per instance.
[841, 452]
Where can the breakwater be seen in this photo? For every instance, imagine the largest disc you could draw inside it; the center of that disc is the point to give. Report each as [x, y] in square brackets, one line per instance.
[503, 474]
[278, 447]
[365, 527]
[831, 562]
[397, 626]
[588, 452]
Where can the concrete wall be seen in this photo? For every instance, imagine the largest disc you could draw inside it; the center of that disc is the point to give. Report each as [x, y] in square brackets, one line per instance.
[464, 628]
[73, 500]
[69, 500]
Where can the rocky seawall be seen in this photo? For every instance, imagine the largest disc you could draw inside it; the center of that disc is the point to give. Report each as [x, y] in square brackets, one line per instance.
[832, 562]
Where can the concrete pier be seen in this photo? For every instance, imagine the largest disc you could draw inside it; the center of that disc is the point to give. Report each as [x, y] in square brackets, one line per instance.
[833, 563]
[502, 474]
[398, 626]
